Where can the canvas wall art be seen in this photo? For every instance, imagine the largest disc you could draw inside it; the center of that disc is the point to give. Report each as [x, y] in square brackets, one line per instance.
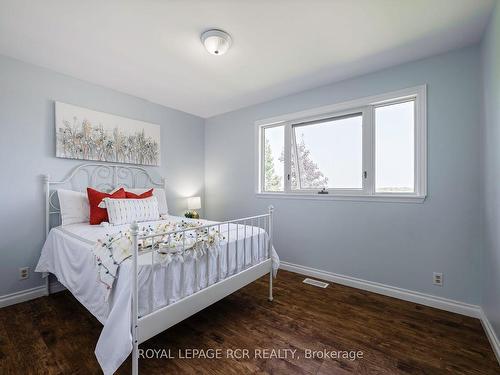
[82, 133]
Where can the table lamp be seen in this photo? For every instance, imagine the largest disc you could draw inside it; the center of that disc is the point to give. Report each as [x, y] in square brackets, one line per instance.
[194, 203]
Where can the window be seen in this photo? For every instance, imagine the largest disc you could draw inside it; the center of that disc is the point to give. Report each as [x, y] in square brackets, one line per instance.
[372, 148]
[328, 154]
[273, 166]
[395, 147]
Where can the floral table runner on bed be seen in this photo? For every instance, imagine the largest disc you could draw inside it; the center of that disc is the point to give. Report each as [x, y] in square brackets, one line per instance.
[111, 251]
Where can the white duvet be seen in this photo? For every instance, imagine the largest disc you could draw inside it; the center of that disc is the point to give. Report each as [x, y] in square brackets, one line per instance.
[67, 253]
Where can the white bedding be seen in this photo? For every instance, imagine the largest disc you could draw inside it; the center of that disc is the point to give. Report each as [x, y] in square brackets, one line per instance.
[67, 253]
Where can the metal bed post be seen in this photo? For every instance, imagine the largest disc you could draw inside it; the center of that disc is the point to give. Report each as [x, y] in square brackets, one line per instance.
[271, 212]
[134, 231]
[46, 183]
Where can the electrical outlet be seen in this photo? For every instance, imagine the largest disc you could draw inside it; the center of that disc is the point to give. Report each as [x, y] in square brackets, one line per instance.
[437, 278]
[24, 273]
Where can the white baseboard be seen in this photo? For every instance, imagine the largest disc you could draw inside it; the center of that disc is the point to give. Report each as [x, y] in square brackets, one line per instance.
[28, 294]
[22, 296]
[490, 333]
[387, 290]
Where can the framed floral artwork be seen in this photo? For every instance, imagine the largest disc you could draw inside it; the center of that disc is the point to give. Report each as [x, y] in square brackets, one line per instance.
[85, 134]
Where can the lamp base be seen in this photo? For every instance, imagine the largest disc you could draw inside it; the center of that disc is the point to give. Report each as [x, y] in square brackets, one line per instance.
[192, 214]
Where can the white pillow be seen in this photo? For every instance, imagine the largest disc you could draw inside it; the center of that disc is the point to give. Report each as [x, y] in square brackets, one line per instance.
[159, 193]
[126, 211]
[74, 206]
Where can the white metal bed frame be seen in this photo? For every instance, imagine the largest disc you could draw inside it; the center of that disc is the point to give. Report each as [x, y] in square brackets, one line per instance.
[111, 176]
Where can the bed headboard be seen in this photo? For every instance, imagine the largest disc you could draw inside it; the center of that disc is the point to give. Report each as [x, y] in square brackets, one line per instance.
[97, 175]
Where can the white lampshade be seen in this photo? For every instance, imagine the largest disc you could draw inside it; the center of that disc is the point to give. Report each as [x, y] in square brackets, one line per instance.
[194, 203]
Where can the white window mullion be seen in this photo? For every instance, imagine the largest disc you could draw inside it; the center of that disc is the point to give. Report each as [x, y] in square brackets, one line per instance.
[416, 153]
[262, 160]
[421, 141]
[287, 178]
[368, 151]
[296, 158]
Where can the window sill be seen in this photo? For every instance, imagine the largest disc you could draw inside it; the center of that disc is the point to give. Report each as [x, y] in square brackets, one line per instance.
[394, 198]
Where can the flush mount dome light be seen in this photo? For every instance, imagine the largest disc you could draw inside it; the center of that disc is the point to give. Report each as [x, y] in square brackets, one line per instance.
[217, 42]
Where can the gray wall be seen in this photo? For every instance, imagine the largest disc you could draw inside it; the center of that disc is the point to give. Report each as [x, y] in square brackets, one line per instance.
[391, 243]
[27, 150]
[490, 283]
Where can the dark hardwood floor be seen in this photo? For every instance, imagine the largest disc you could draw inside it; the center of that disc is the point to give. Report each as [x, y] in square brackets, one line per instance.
[56, 335]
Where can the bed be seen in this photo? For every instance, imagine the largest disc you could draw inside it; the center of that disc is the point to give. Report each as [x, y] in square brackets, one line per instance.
[157, 286]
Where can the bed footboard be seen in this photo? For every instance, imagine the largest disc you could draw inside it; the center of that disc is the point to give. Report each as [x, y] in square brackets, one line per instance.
[155, 322]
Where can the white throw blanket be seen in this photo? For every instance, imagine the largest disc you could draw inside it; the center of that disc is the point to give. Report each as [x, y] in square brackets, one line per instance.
[111, 251]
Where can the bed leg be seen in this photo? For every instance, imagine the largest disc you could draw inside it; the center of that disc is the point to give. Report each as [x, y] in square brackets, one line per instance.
[47, 284]
[271, 284]
[135, 358]
[269, 251]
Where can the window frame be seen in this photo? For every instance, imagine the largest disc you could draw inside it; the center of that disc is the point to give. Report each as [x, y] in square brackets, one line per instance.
[332, 116]
[262, 159]
[366, 106]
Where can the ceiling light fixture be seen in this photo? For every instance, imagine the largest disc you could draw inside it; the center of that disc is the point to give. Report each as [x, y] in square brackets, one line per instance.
[217, 42]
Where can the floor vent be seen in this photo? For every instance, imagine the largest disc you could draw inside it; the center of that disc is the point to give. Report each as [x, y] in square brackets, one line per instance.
[319, 284]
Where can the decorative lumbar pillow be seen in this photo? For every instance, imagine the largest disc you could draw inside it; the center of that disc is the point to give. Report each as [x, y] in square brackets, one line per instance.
[127, 211]
[97, 214]
[160, 195]
[74, 207]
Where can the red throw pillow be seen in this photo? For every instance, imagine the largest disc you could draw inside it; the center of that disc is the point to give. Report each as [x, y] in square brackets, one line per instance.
[146, 194]
[97, 214]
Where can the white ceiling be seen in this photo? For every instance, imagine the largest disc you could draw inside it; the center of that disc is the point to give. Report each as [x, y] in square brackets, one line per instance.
[151, 48]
